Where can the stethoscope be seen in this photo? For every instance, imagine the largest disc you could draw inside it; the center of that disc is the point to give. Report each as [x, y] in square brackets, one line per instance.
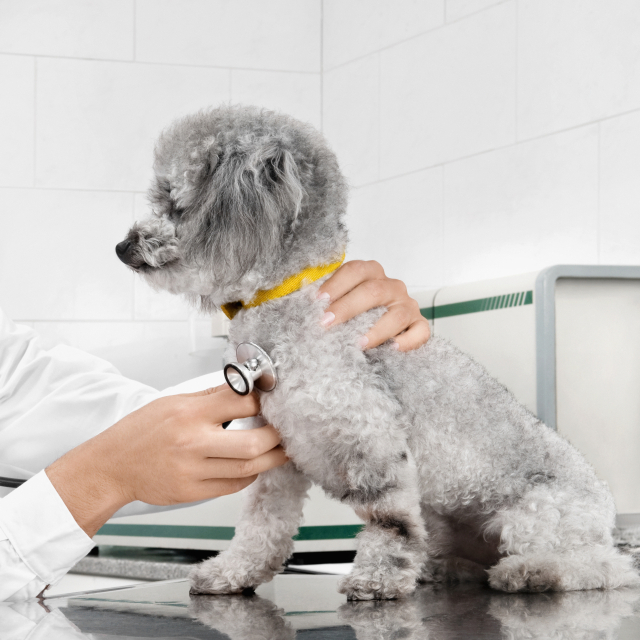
[253, 369]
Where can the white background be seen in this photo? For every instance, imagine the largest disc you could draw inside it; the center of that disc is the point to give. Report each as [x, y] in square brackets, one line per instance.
[481, 138]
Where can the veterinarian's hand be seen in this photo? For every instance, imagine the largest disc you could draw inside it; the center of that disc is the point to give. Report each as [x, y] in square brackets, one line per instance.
[360, 285]
[171, 451]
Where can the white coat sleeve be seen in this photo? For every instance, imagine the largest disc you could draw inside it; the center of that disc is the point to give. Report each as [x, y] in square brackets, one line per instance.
[51, 400]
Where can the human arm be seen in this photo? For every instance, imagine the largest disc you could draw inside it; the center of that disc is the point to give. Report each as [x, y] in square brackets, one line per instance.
[171, 451]
[51, 402]
[360, 285]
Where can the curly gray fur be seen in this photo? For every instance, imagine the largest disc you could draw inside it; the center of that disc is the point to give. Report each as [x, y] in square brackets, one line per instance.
[454, 479]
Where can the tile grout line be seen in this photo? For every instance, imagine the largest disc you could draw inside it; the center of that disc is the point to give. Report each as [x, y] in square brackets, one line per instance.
[501, 147]
[35, 121]
[157, 64]
[444, 25]
[517, 75]
[379, 116]
[322, 66]
[598, 213]
[135, 26]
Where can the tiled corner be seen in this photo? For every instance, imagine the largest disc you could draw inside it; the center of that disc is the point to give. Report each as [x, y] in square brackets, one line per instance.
[450, 93]
[351, 117]
[72, 28]
[57, 256]
[250, 34]
[578, 61]
[522, 208]
[457, 9]
[355, 28]
[97, 121]
[17, 77]
[297, 94]
[620, 190]
[398, 222]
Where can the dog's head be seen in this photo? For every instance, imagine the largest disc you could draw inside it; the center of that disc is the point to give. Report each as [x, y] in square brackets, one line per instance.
[242, 198]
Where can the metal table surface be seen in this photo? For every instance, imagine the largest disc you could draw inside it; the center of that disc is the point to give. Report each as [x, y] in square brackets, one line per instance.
[308, 607]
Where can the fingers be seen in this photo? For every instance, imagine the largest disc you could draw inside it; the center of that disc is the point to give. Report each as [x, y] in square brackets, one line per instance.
[205, 392]
[349, 276]
[365, 296]
[222, 404]
[415, 336]
[235, 468]
[217, 487]
[243, 445]
[399, 318]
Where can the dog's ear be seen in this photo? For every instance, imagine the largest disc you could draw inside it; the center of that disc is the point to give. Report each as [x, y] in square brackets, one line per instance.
[280, 175]
[253, 203]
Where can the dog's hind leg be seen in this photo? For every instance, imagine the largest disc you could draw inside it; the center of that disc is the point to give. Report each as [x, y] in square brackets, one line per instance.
[554, 543]
[271, 515]
[392, 546]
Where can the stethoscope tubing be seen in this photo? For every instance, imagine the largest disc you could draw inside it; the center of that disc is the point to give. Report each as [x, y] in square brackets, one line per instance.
[11, 483]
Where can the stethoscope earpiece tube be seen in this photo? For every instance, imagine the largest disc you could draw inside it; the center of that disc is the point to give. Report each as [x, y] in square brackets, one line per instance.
[254, 368]
[11, 483]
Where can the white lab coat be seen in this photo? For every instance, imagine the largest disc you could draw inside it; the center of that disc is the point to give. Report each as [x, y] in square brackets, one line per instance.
[52, 400]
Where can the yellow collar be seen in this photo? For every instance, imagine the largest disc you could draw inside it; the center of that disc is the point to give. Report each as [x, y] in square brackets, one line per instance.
[291, 284]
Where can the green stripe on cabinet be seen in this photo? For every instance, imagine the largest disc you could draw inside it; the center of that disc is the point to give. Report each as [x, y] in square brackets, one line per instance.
[481, 304]
[330, 532]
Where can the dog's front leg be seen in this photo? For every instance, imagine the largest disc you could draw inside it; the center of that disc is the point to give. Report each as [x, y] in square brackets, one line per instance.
[270, 518]
[392, 547]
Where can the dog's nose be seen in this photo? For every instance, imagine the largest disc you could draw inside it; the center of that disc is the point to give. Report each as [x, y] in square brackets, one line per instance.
[122, 248]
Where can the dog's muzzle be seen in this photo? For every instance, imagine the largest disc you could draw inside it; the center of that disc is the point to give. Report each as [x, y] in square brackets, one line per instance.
[125, 251]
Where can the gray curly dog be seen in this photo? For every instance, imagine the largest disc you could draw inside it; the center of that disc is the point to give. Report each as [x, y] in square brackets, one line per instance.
[454, 479]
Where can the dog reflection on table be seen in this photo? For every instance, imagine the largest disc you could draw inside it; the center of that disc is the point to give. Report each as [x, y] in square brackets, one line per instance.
[453, 478]
[437, 612]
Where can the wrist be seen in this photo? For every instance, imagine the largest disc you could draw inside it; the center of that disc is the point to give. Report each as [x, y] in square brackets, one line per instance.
[89, 492]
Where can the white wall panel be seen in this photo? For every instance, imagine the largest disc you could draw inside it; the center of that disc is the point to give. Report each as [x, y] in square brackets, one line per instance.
[620, 190]
[297, 94]
[522, 208]
[72, 28]
[57, 258]
[351, 117]
[155, 353]
[399, 223]
[279, 35]
[17, 79]
[449, 93]
[354, 28]
[578, 61]
[97, 121]
[456, 9]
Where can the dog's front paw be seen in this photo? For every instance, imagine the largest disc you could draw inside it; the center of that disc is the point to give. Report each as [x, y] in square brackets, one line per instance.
[217, 577]
[375, 585]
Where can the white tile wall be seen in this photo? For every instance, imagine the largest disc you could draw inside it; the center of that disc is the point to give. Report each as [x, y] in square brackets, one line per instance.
[620, 190]
[87, 85]
[57, 258]
[281, 34]
[354, 28]
[523, 207]
[449, 93]
[295, 93]
[17, 77]
[97, 121]
[351, 117]
[578, 61]
[73, 28]
[398, 222]
[423, 100]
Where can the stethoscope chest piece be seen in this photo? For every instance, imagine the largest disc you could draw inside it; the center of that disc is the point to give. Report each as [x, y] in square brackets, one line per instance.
[254, 368]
